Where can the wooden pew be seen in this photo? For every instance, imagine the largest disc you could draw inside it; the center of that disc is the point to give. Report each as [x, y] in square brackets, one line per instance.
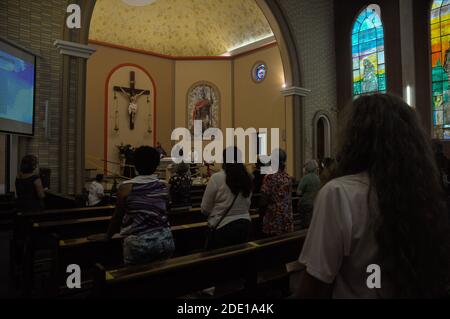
[55, 200]
[86, 253]
[183, 275]
[74, 228]
[70, 213]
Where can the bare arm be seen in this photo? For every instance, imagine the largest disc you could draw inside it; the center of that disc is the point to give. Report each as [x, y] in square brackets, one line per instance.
[39, 188]
[138, 95]
[119, 212]
[124, 92]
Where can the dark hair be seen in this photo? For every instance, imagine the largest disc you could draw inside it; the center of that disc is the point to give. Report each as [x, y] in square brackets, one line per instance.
[99, 177]
[28, 164]
[383, 137]
[437, 146]
[146, 160]
[237, 177]
[282, 158]
[182, 168]
[327, 162]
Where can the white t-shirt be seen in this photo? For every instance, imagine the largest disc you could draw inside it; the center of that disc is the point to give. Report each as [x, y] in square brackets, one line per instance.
[95, 190]
[340, 244]
[218, 197]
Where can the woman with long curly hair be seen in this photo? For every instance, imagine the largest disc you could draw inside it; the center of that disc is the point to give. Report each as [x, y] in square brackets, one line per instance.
[384, 206]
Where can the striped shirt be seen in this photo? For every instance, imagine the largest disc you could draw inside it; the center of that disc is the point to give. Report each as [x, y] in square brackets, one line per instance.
[145, 206]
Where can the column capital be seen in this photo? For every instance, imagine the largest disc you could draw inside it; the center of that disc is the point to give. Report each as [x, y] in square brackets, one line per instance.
[74, 49]
[295, 90]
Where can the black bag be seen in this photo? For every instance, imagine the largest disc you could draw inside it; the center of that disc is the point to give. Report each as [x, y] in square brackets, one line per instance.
[210, 233]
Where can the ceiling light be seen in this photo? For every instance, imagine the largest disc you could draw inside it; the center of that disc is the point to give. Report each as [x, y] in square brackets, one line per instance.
[138, 3]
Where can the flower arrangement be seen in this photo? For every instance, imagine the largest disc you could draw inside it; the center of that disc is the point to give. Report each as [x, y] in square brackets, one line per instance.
[123, 149]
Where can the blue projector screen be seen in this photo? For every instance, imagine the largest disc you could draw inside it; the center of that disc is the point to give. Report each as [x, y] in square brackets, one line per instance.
[17, 84]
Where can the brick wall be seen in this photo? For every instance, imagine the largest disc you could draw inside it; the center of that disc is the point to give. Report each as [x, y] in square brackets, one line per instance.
[35, 25]
[312, 25]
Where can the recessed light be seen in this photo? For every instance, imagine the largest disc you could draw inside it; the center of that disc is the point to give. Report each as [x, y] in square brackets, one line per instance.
[138, 3]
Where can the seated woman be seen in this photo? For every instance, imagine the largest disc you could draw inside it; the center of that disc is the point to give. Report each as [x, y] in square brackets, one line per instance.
[276, 200]
[141, 213]
[226, 202]
[29, 189]
[307, 189]
[180, 186]
[380, 228]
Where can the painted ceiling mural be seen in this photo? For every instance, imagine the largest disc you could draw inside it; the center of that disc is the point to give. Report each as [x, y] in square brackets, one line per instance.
[180, 27]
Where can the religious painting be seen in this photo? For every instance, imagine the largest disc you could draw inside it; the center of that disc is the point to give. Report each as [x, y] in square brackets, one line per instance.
[440, 67]
[203, 104]
[369, 74]
[259, 72]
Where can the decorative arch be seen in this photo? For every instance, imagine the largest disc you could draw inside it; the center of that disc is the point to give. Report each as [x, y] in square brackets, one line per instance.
[322, 138]
[290, 60]
[369, 71]
[106, 106]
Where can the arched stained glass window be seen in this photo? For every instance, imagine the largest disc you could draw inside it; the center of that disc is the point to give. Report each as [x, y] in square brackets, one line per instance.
[440, 67]
[369, 74]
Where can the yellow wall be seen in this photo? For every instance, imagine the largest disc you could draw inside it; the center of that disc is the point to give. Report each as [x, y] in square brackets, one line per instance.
[219, 73]
[260, 105]
[243, 103]
[99, 67]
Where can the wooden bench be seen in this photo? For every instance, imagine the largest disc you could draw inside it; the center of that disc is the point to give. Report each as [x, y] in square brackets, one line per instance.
[74, 228]
[180, 276]
[85, 252]
[55, 200]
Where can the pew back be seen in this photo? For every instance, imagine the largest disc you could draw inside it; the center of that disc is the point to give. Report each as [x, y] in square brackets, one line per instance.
[183, 275]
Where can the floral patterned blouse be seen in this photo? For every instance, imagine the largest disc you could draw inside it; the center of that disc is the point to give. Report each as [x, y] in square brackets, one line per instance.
[278, 218]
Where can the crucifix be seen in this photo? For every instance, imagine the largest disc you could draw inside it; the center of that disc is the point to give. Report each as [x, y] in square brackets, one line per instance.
[133, 94]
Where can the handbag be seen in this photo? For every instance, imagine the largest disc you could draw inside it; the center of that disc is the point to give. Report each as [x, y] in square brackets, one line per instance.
[210, 233]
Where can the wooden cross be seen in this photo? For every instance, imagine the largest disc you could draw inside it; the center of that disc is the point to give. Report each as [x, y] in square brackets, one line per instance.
[131, 92]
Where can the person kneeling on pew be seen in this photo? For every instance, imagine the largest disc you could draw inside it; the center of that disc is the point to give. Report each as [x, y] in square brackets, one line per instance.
[141, 213]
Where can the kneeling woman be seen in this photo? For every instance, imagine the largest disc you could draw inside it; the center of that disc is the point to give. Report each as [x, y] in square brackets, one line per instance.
[226, 202]
[141, 213]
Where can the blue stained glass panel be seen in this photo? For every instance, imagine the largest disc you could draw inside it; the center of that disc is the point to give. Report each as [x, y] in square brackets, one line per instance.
[440, 67]
[356, 28]
[368, 47]
[437, 4]
[381, 57]
[368, 52]
[355, 39]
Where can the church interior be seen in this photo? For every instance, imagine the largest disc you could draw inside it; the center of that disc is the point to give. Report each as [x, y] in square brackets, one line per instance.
[101, 198]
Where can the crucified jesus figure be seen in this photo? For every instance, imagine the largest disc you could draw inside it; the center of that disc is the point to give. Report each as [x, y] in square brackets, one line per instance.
[133, 106]
[133, 95]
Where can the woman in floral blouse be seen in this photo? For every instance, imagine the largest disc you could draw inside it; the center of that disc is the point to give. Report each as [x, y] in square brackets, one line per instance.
[276, 201]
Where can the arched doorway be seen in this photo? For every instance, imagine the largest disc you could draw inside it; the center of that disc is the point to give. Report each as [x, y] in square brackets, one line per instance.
[321, 139]
[322, 136]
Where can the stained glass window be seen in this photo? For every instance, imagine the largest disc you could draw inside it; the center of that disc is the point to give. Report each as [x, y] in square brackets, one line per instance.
[440, 67]
[369, 74]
